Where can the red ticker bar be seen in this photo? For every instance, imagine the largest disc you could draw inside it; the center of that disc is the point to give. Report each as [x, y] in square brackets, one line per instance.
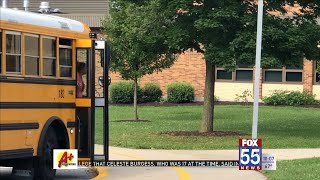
[169, 163]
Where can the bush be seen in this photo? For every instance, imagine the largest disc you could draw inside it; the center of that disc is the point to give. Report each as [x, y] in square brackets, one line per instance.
[244, 97]
[290, 98]
[180, 92]
[216, 99]
[151, 93]
[123, 92]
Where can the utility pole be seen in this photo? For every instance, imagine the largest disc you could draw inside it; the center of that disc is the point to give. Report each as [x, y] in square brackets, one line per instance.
[257, 71]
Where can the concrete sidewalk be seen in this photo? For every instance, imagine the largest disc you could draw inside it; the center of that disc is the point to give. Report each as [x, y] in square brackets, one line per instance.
[187, 173]
[281, 154]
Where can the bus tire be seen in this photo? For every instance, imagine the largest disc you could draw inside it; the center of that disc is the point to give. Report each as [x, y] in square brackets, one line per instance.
[43, 165]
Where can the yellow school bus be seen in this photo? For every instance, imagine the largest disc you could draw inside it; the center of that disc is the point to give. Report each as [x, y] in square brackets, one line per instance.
[40, 105]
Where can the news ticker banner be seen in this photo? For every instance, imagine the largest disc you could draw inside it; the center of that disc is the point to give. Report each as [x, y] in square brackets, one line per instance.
[161, 163]
[250, 158]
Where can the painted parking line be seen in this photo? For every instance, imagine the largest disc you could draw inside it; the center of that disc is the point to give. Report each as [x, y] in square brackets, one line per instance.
[102, 173]
[184, 175]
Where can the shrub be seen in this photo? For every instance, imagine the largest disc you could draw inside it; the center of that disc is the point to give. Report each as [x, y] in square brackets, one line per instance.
[151, 93]
[216, 99]
[244, 97]
[290, 98]
[122, 92]
[180, 92]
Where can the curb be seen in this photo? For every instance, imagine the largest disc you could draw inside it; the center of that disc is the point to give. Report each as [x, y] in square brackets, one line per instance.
[102, 172]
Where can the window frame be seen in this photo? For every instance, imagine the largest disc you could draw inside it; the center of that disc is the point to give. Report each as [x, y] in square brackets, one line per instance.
[243, 69]
[233, 75]
[6, 32]
[25, 55]
[315, 64]
[46, 57]
[72, 58]
[223, 80]
[283, 71]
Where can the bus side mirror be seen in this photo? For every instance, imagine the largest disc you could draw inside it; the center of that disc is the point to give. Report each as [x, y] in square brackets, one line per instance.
[101, 79]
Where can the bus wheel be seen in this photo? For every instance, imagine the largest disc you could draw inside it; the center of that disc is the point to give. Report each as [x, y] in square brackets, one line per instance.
[43, 167]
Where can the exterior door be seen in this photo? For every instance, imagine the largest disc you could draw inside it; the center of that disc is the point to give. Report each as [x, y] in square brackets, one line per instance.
[85, 102]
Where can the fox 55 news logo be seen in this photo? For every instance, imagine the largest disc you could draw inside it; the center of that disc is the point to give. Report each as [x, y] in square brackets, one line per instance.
[250, 154]
[65, 159]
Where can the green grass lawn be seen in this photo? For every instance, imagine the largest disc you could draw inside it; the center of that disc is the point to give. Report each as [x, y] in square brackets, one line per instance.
[279, 127]
[303, 169]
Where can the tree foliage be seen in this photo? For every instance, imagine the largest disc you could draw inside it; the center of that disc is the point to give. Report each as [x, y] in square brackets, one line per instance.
[135, 33]
[136, 41]
[224, 31]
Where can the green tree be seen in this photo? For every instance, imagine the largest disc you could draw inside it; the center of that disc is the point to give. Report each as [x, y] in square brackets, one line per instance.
[136, 44]
[224, 31]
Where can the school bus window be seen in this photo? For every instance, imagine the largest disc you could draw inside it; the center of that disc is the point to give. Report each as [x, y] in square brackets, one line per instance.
[49, 56]
[32, 54]
[0, 51]
[65, 42]
[65, 54]
[65, 62]
[13, 52]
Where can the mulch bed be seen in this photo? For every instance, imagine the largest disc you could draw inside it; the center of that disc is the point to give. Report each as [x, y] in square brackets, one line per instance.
[208, 134]
[132, 121]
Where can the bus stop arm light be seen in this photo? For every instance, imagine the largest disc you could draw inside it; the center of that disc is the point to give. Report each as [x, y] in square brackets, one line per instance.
[93, 35]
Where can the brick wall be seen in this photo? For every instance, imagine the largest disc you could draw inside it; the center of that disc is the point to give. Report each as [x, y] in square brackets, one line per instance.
[190, 67]
[308, 77]
[99, 72]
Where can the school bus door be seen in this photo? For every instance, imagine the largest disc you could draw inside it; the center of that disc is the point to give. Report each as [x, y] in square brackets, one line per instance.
[85, 99]
[85, 112]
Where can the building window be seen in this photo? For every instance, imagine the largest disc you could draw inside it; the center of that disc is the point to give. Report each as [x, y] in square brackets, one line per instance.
[284, 74]
[49, 56]
[242, 73]
[65, 51]
[32, 54]
[294, 76]
[317, 73]
[13, 52]
[223, 75]
[273, 76]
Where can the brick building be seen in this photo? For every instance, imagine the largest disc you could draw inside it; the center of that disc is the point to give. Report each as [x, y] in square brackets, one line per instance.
[190, 66]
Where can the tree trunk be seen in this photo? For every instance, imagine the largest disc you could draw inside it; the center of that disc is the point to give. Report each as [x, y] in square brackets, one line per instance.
[208, 107]
[135, 100]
